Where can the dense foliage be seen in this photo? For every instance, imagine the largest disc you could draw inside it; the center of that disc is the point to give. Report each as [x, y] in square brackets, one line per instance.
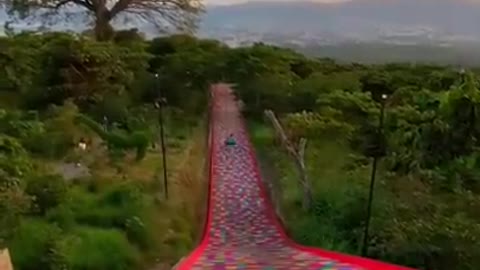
[57, 89]
[424, 209]
[61, 203]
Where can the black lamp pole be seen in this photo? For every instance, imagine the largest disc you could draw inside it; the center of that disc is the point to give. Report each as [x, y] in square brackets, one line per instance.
[159, 104]
[462, 75]
[372, 179]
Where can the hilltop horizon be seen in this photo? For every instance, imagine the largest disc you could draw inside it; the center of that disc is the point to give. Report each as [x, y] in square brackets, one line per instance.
[307, 24]
[329, 2]
[237, 2]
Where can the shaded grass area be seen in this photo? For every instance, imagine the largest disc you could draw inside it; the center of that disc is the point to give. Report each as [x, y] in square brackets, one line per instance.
[340, 184]
[8, 99]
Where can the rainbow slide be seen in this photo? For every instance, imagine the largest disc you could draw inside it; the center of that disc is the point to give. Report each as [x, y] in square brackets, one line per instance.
[241, 230]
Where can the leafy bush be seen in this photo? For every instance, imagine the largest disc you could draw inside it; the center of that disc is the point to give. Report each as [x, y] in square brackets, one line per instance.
[431, 241]
[93, 249]
[32, 244]
[14, 159]
[320, 233]
[49, 145]
[52, 138]
[70, 66]
[121, 206]
[13, 203]
[62, 215]
[18, 64]
[47, 191]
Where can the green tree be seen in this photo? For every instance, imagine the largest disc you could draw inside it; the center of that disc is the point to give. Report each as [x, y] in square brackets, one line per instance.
[180, 14]
[84, 71]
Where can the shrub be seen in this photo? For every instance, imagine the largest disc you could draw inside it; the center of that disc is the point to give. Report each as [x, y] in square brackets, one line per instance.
[47, 191]
[321, 233]
[32, 245]
[93, 249]
[120, 206]
[13, 203]
[48, 144]
[62, 215]
[13, 157]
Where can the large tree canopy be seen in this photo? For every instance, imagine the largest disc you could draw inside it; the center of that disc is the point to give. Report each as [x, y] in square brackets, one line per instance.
[163, 14]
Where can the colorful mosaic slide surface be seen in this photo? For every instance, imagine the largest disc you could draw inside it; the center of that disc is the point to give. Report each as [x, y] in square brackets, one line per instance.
[241, 230]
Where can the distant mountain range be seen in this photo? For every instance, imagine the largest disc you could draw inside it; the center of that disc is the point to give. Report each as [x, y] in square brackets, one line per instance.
[307, 26]
[441, 31]
[358, 19]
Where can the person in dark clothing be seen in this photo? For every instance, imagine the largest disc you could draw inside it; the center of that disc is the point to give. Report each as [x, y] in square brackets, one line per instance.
[230, 141]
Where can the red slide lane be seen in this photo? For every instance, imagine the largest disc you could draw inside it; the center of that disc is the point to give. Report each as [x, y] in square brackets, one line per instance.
[241, 229]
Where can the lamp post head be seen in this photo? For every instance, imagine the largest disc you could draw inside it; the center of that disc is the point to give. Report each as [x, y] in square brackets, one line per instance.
[384, 96]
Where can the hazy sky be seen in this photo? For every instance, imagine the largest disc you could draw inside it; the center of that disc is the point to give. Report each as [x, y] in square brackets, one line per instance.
[227, 2]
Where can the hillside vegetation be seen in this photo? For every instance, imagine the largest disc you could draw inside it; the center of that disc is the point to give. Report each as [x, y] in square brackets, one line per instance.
[58, 90]
[427, 190]
[102, 207]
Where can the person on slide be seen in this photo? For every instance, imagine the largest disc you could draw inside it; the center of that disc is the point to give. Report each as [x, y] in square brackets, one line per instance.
[230, 141]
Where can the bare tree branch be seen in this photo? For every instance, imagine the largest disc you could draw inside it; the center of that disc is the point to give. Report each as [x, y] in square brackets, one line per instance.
[119, 7]
[61, 3]
[301, 148]
[298, 154]
[85, 3]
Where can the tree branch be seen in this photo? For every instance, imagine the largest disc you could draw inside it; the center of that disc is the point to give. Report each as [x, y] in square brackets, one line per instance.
[298, 154]
[301, 149]
[281, 133]
[61, 3]
[119, 7]
[84, 3]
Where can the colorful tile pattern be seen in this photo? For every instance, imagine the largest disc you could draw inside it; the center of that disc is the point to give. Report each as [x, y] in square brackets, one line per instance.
[241, 232]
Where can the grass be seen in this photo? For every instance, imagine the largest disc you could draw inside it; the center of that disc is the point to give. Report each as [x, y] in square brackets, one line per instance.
[92, 248]
[411, 221]
[31, 243]
[339, 190]
[186, 208]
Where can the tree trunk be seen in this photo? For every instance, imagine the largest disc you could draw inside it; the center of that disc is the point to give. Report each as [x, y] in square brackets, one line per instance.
[298, 154]
[103, 29]
[302, 171]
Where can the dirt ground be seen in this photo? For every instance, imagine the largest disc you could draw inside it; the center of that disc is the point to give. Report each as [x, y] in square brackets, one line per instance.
[5, 263]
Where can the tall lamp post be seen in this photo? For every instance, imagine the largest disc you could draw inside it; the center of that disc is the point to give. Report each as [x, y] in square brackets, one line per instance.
[462, 75]
[372, 179]
[159, 105]
[105, 123]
